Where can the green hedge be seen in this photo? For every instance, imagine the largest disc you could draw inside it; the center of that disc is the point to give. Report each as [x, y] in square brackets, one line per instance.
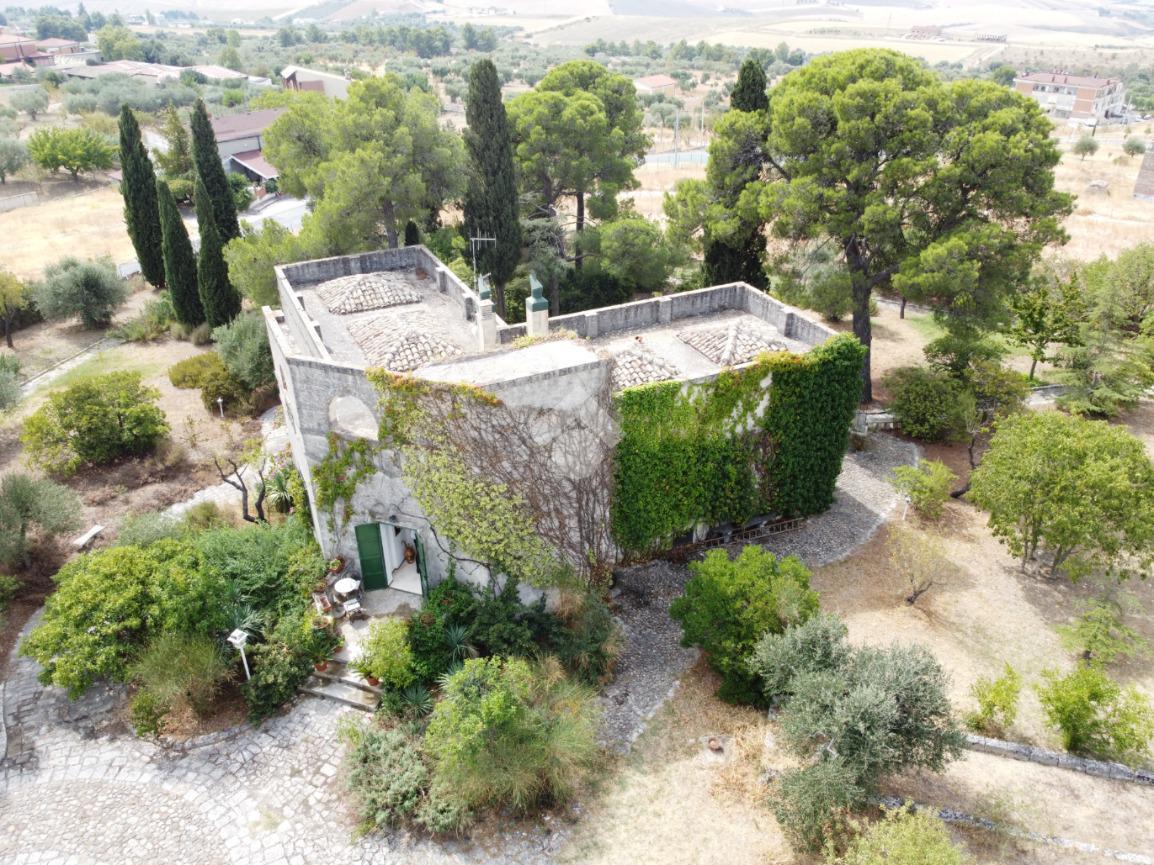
[720, 452]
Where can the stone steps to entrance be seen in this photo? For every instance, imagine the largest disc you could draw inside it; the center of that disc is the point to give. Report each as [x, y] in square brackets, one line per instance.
[341, 691]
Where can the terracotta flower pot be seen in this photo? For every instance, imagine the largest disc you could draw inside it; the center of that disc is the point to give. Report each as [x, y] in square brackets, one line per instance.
[373, 681]
[321, 666]
[410, 554]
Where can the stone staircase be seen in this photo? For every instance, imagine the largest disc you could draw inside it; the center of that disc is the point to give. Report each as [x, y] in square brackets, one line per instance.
[341, 685]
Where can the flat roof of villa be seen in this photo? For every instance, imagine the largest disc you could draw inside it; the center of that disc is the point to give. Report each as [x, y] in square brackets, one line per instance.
[396, 319]
[404, 320]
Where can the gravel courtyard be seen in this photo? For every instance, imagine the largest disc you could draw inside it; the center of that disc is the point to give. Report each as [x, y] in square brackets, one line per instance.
[77, 787]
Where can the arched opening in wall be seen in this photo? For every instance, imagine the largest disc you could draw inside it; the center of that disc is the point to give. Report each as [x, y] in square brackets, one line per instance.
[348, 416]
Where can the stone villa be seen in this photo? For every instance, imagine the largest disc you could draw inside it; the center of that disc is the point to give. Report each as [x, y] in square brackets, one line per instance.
[404, 311]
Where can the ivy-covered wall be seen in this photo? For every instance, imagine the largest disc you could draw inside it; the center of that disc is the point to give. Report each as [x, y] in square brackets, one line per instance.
[768, 438]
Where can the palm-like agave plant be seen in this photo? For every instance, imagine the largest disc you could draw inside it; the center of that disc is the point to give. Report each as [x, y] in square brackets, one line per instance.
[457, 639]
[277, 492]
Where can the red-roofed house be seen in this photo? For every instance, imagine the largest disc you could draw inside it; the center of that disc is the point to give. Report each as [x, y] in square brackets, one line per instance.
[1078, 97]
[654, 83]
[239, 138]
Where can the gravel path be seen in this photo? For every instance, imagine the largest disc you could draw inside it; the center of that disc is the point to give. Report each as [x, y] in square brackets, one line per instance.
[653, 658]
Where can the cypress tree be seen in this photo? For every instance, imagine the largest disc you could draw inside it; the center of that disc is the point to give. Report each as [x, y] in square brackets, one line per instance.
[750, 93]
[219, 299]
[491, 203]
[210, 170]
[140, 208]
[179, 260]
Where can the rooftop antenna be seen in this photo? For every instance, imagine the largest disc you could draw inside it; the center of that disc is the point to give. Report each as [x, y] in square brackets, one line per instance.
[474, 242]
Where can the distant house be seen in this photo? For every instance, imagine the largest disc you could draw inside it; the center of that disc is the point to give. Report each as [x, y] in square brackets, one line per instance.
[1075, 97]
[55, 45]
[311, 81]
[22, 49]
[152, 73]
[239, 139]
[654, 84]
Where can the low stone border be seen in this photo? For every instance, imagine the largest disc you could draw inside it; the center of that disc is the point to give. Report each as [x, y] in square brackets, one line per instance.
[1046, 757]
[183, 746]
[949, 815]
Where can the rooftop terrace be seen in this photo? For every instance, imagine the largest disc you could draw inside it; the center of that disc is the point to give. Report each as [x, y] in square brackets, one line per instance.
[405, 311]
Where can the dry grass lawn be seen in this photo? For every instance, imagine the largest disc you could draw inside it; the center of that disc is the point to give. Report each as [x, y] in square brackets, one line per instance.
[89, 225]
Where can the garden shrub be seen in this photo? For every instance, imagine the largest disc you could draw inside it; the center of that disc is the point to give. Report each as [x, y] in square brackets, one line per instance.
[220, 385]
[385, 654]
[194, 372]
[278, 671]
[91, 290]
[502, 625]
[730, 603]
[997, 702]
[153, 322]
[862, 714]
[506, 732]
[928, 486]
[1100, 636]
[929, 406]
[389, 779]
[816, 646]
[9, 586]
[813, 804]
[1078, 492]
[143, 530]
[431, 656]
[10, 393]
[95, 421]
[243, 346]
[182, 670]
[110, 603]
[385, 773]
[146, 713]
[33, 510]
[885, 711]
[590, 641]
[905, 837]
[1097, 716]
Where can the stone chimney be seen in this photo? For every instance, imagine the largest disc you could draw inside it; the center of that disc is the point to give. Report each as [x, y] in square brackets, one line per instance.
[536, 309]
[486, 321]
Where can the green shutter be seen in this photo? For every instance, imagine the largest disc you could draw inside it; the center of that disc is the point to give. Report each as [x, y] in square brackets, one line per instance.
[372, 556]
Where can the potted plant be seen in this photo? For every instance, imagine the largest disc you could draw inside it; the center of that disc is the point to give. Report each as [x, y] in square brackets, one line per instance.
[363, 667]
[336, 565]
[321, 665]
[410, 554]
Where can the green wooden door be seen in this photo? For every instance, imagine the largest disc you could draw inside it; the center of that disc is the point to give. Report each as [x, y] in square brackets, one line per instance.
[422, 570]
[372, 555]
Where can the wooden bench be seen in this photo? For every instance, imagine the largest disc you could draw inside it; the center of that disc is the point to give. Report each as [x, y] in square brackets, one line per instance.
[85, 540]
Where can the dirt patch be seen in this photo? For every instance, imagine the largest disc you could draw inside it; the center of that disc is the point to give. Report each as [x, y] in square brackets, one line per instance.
[981, 612]
[87, 225]
[180, 467]
[675, 800]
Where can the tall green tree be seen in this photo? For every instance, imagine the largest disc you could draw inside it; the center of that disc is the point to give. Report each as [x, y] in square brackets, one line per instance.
[750, 93]
[944, 192]
[579, 133]
[138, 187]
[14, 296]
[219, 299]
[491, 203]
[210, 170]
[372, 161]
[179, 260]
[1077, 493]
[1048, 312]
[175, 161]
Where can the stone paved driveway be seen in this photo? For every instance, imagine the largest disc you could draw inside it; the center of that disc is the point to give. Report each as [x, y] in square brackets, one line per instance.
[76, 788]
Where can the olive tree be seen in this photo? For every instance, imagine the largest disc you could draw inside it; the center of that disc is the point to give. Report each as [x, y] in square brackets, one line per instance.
[33, 509]
[1075, 492]
[91, 290]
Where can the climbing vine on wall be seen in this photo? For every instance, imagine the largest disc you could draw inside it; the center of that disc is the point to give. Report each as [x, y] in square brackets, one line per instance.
[767, 438]
[337, 476]
[498, 480]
